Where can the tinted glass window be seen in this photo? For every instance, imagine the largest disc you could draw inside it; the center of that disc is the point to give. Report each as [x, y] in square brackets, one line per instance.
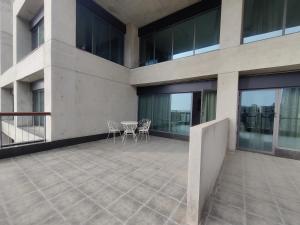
[101, 38]
[262, 19]
[207, 31]
[147, 50]
[183, 39]
[84, 28]
[163, 45]
[117, 46]
[293, 16]
[34, 38]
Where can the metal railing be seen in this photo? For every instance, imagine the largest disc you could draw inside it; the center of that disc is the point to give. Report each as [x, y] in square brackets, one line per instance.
[22, 128]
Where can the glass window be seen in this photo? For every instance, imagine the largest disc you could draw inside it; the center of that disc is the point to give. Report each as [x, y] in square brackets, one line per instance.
[41, 32]
[292, 16]
[37, 35]
[147, 51]
[163, 45]
[117, 46]
[38, 106]
[262, 19]
[183, 39]
[181, 107]
[161, 112]
[207, 31]
[145, 107]
[289, 123]
[84, 28]
[209, 104]
[101, 38]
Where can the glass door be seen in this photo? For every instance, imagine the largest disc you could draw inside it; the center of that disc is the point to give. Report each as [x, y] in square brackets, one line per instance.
[256, 120]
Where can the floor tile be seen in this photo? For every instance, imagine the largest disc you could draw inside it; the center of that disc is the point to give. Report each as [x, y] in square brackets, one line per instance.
[142, 193]
[106, 196]
[103, 218]
[162, 204]
[146, 216]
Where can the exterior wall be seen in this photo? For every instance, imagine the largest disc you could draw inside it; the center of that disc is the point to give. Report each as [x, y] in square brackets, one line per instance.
[131, 51]
[7, 100]
[227, 103]
[6, 37]
[207, 150]
[92, 90]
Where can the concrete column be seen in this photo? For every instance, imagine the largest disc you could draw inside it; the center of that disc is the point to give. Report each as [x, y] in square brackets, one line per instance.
[22, 101]
[60, 21]
[131, 51]
[231, 23]
[227, 103]
[6, 38]
[7, 100]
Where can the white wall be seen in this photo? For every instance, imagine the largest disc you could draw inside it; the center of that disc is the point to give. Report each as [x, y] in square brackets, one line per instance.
[7, 100]
[208, 145]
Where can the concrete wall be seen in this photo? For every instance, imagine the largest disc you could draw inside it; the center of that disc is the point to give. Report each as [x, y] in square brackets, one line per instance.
[208, 145]
[6, 37]
[92, 90]
[131, 51]
[6, 100]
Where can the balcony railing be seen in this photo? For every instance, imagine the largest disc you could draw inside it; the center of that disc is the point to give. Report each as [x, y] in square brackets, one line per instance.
[22, 128]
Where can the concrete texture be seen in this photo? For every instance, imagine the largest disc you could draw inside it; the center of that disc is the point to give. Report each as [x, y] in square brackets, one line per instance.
[255, 189]
[132, 44]
[141, 13]
[207, 150]
[97, 183]
[6, 37]
[227, 103]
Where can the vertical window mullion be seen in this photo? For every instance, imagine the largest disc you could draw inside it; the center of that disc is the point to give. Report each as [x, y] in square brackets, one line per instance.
[284, 16]
[194, 44]
[172, 43]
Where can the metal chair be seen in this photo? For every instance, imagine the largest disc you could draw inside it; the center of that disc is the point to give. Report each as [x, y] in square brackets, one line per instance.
[113, 128]
[144, 129]
[129, 129]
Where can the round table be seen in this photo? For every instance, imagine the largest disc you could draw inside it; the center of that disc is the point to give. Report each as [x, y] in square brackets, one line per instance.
[129, 129]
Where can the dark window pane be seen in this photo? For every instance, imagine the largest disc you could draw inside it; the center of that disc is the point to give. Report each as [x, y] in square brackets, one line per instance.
[117, 46]
[183, 39]
[145, 107]
[207, 31]
[34, 38]
[161, 112]
[101, 38]
[41, 32]
[163, 45]
[262, 19]
[84, 28]
[146, 50]
[293, 16]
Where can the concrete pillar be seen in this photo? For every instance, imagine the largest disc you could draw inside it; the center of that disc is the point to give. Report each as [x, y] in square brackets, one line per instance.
[23, 101]
[6, 38]
[231, 23]
[7, 100]
[227, 103]
[60, 21]
[131, 50]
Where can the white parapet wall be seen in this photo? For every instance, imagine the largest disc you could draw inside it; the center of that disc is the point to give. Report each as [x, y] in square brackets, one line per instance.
[207, 150]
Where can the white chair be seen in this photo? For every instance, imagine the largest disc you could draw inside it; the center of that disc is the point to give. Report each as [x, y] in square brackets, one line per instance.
[129, 129]
[144, 129]
[113, 128]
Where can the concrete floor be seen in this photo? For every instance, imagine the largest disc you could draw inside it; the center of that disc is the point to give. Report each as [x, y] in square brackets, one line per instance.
[256, 189]
[97, 183]
[143, 184]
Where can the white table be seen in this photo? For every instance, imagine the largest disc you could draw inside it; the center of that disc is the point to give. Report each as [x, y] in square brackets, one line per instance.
[129, 129]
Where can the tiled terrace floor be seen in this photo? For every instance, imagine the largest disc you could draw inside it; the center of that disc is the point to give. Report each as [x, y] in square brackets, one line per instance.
[97, 183]
[255, 189]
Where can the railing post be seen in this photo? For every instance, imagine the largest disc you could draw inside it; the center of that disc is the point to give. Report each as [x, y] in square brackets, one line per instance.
[45, 138]
[1, 131]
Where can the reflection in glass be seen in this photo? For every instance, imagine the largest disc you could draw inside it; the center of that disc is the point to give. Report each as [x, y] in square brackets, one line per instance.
[101, 38]
[257, 113]
[163, 45]
[292, 16]
[289, 124]
[262, 19]
[147, 51]
[207, 31]
[117, 46]
[183, 40]
[84, 28]
[38, 106]
[181, 106]
[145, 107]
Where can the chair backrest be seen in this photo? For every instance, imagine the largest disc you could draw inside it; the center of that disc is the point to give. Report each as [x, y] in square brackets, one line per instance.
[146, 125]
[112, 125]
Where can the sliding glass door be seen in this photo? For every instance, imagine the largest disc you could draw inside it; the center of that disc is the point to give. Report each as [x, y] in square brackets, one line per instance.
[257, 111]
[289, 120]
[260, 129]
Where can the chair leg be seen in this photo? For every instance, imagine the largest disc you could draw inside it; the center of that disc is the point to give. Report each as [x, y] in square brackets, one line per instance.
[114, 138]
[107, 136]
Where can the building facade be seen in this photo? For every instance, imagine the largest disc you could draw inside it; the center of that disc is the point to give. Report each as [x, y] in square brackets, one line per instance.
[88, 61]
